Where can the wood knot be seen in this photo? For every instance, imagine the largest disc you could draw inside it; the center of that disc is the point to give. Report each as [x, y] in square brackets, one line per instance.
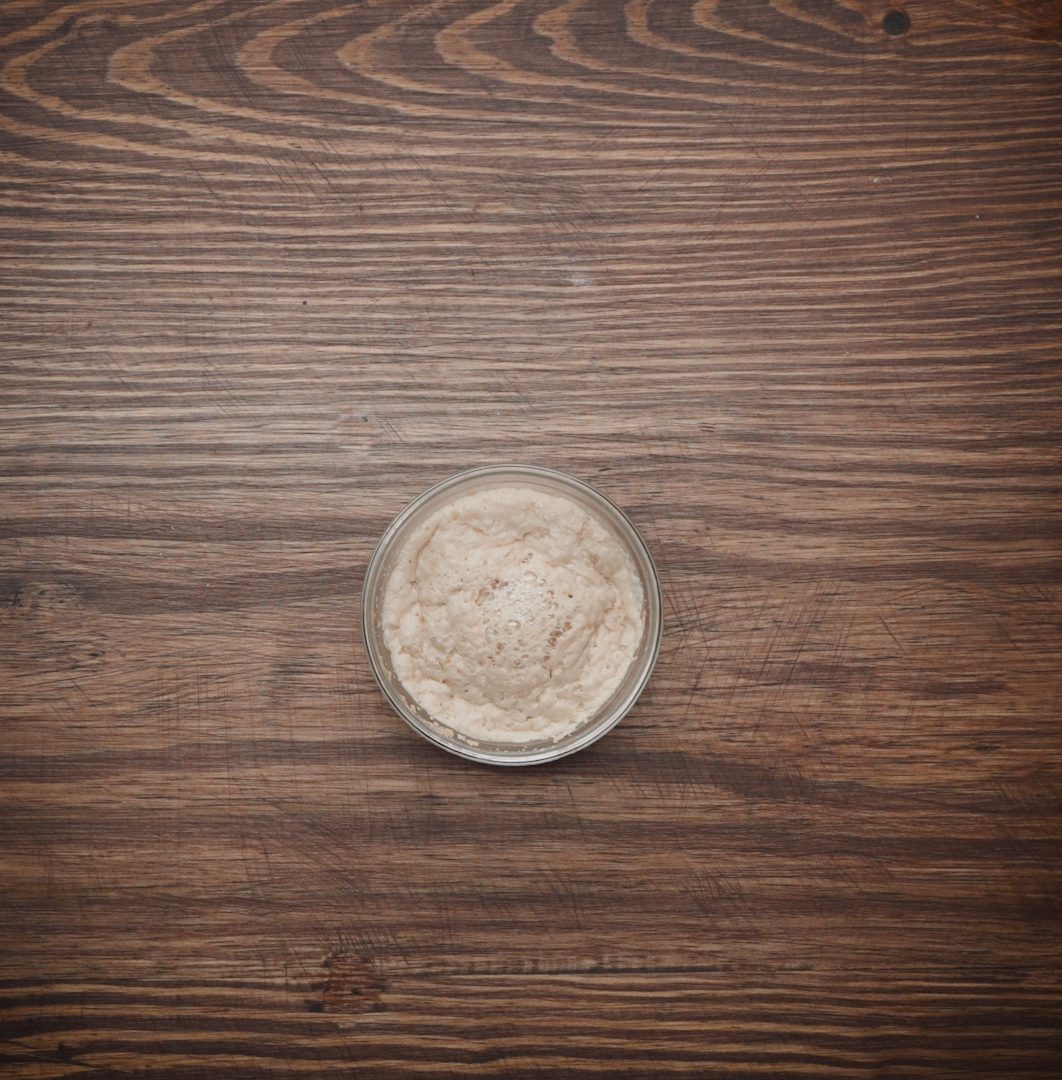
[41, 598]
[352, 985]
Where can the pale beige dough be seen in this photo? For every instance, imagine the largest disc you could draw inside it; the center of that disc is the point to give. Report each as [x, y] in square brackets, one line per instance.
[511, 615]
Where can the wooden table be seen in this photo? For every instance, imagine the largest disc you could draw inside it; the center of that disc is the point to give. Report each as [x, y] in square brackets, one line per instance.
[783, 279]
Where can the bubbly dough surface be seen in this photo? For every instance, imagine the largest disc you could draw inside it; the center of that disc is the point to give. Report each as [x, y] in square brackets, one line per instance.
[511, 614]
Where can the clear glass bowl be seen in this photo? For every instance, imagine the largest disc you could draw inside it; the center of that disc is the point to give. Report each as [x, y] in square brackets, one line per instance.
[524, 753]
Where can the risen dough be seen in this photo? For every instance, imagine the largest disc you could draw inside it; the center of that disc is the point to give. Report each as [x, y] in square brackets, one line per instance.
[512, 615]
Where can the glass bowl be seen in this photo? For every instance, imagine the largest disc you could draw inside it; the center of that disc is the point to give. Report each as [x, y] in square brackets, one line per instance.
[523, 753]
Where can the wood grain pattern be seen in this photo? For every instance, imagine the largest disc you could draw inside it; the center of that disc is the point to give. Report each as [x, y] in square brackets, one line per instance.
[783, 278]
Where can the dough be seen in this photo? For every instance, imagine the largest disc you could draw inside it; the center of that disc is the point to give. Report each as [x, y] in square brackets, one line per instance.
[511, 614]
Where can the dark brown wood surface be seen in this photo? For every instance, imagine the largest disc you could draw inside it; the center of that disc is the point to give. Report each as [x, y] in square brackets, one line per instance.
[783, 278]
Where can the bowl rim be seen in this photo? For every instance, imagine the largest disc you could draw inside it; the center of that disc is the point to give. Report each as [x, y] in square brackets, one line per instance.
[651, 581]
